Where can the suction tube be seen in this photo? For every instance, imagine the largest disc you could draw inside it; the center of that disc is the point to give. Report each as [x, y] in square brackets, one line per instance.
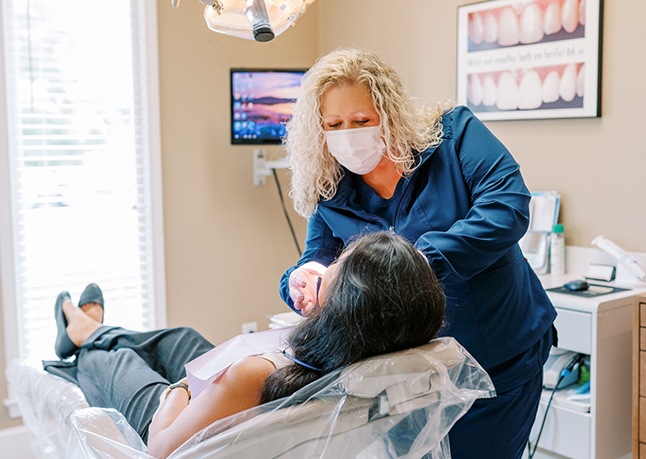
[258, 18]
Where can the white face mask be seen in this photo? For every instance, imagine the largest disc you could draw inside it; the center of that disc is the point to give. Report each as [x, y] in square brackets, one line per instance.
[359, 150]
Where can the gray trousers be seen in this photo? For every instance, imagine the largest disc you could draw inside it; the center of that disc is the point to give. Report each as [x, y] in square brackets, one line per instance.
[128, 370]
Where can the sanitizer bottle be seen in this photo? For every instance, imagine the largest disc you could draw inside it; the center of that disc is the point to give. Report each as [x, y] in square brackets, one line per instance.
[557, 250]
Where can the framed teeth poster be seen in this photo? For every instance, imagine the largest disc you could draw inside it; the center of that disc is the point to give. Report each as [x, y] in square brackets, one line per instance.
[530, 59]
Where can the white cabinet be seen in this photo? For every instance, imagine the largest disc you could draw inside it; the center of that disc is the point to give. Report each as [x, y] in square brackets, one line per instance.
[600, 327]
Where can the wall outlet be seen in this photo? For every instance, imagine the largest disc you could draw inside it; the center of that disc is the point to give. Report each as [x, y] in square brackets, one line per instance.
[249, 327]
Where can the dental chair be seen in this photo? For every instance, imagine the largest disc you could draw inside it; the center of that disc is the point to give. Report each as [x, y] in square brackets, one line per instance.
[395, 405]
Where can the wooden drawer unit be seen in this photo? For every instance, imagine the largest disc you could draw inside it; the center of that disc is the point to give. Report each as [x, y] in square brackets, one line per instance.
[639, 378]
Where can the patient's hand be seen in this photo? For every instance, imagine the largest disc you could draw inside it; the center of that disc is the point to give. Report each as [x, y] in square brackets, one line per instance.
[303, 286]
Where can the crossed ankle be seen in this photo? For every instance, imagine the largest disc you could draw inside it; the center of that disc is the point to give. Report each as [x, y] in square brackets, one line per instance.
[93, 311]
[80, 330]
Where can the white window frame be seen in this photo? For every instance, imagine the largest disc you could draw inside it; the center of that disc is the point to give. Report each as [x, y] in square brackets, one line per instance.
[8, 283]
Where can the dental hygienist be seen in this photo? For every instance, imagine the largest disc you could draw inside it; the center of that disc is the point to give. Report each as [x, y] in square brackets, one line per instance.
[364, 159]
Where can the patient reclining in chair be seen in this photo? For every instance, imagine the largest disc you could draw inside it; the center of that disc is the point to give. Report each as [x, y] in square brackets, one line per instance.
[381, 296]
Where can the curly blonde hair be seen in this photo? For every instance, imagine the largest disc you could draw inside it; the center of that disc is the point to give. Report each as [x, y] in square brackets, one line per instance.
[407, 129]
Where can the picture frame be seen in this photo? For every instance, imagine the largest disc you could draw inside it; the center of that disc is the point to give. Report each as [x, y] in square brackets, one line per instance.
[530, 59]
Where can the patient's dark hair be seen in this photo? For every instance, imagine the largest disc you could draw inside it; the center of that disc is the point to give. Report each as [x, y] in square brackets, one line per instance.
[384, 298]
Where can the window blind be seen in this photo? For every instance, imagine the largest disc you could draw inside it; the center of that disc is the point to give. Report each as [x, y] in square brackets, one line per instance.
[81, 160]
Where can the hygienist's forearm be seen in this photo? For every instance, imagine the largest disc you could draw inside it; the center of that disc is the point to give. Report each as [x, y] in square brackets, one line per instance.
[170, 409]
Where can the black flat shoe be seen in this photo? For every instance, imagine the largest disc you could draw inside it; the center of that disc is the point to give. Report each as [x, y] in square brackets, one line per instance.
[92, 294]
[64, 346]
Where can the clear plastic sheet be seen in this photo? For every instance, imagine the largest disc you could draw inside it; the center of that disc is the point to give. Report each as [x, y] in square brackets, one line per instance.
[103, 433]
[46, 403]
[398, 405]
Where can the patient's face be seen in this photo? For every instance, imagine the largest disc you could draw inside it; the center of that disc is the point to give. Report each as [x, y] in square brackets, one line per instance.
[328, 277]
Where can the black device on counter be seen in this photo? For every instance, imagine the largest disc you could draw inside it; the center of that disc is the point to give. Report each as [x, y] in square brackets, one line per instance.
[577, 285]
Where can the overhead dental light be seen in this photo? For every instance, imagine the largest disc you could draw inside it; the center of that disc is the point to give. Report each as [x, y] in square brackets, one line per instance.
[259, 20]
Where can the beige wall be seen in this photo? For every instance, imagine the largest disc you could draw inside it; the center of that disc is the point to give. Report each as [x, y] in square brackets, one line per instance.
[227, 242]
[598, 165]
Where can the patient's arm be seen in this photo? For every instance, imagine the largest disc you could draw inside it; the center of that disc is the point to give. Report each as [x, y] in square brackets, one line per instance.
[237, 390]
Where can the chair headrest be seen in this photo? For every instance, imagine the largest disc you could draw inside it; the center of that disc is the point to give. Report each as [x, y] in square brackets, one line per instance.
[414, 367]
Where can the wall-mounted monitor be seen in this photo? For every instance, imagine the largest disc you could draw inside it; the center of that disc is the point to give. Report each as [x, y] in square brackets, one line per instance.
[262, 101]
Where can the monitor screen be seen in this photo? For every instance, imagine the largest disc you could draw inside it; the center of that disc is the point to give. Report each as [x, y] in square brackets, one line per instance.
[262, 101]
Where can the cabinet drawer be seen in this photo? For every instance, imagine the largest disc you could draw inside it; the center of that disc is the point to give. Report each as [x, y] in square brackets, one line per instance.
[575, 330]
[642, 373]
[642, 419]
[566, 432]
[642, 314]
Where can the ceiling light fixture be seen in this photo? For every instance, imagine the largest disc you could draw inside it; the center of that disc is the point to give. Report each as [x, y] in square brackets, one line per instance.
[259, 20]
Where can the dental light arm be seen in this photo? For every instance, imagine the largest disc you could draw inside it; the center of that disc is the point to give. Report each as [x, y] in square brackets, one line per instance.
[262, 167]
[175, 3]
[259, 20]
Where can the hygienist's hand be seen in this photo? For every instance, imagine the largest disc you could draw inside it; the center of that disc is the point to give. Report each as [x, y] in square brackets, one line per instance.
[303, 286]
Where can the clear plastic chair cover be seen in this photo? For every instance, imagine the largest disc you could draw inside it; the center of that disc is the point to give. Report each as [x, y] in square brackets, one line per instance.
[391, 406]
